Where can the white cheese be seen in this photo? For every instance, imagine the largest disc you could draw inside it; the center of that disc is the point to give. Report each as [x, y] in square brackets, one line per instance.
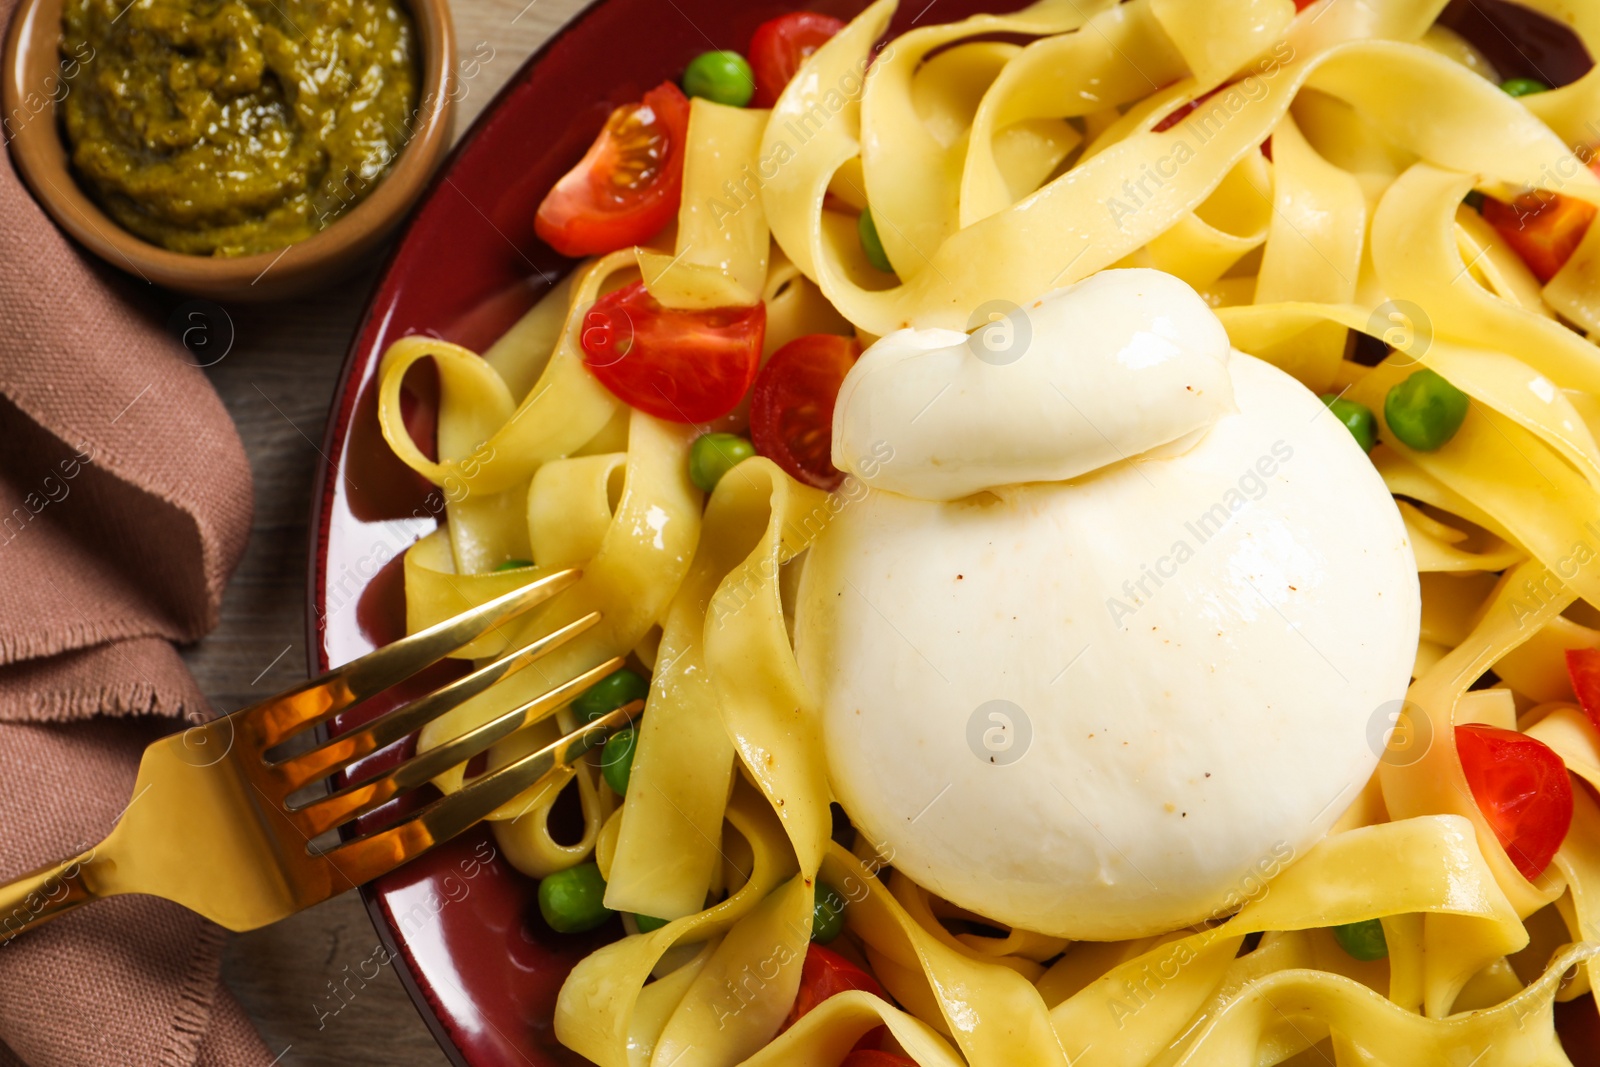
[1108, 708]
[1122, 362]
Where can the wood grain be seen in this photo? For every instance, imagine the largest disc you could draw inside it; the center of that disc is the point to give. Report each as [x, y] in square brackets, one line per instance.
[277, 382]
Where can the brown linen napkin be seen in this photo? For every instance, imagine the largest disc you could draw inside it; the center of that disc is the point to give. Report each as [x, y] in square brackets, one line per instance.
[124, 504]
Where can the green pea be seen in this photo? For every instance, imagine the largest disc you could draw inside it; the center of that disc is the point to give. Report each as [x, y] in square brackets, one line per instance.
[573, 900]
[1425, 411]
[1474, 200]
[871, 244]
[647, 923]
[513, 565]
[714, 454]
[1524, 86]
[827, 916]
[721, 77]
[1357, 418]
[1363, 940]
[620, 687]
[616, 760]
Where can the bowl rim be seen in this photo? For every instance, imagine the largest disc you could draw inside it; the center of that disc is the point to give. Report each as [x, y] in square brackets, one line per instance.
[39, 153]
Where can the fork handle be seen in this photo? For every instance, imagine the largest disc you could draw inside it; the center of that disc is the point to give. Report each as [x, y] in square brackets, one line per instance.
[39, 896]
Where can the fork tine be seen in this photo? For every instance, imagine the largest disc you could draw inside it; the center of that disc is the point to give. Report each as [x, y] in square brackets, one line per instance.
[368, 857]
[312, 702]
[341, 751]
[324, 813]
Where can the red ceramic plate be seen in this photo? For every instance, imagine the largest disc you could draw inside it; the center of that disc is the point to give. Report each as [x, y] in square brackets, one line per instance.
[462, 926]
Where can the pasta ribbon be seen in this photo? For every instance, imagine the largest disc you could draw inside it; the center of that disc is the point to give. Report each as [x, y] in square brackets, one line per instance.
[671, 826]
[565, 407]
[722, 245]
[641, 560]
[595, 1010]
[758, 519]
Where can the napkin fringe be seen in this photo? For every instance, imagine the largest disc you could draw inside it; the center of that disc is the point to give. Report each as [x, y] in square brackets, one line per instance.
[195, 1001]
[71, 637]
[135, 699]
[141, 676]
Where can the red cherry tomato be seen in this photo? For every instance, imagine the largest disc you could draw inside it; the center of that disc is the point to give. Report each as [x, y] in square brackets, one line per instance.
[791, 407]
[1583, 667]
[781, 45]
[1301, 5]
[1543, 228]
[1522, 788]
[682, 366]
[874, 1058]
[825, 973]
[627, 186]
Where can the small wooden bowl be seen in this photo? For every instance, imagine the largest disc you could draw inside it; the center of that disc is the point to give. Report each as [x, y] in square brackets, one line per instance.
[33, 85]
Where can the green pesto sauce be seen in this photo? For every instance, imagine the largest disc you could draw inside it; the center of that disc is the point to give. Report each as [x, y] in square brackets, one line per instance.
[228, 127]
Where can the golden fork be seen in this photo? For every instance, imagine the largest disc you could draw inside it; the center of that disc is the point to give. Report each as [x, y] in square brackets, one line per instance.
[216, 825]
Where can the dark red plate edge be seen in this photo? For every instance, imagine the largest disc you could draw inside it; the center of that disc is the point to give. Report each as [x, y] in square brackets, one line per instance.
[341, 409]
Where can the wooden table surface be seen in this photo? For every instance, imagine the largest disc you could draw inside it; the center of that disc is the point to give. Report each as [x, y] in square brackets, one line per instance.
[277, 381]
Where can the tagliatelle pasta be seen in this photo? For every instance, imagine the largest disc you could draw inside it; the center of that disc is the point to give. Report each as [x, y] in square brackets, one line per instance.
[1305, 171]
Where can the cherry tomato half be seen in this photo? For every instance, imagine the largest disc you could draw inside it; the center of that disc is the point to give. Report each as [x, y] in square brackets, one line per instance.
[1543, 228]
[1583, 667]
[627, 186]
[874, 1058]
[779, 47]
[1522, 788]
[791, 407]
[682, 366]
[825, 973]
